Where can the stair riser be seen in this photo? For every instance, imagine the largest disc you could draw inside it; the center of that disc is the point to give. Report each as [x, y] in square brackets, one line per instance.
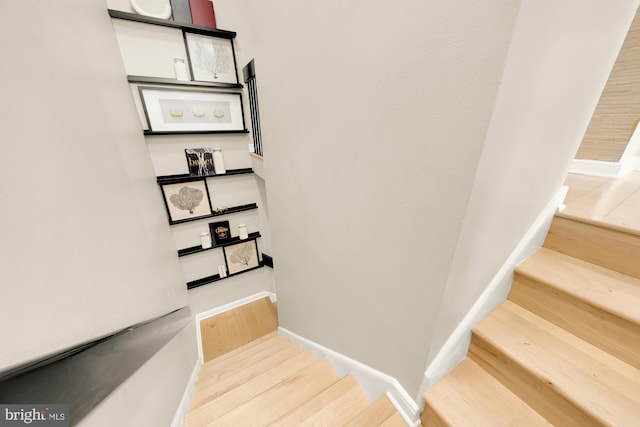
[610, 248]
[592, 324]
[538, 393]
[431, 418]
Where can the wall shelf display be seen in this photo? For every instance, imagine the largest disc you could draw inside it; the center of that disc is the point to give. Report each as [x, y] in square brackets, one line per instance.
[186, 200]
[182, 110]
[197, 249]
[216, 277]
[172, 24]
[175, 82]
[168, 179]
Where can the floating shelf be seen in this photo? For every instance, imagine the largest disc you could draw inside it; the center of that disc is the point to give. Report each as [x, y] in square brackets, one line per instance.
[175, 82]
[197, 249]
[216, 277]
[191, 132]
[267, 260]
[172, 179]
[172, 24]
[230, 210]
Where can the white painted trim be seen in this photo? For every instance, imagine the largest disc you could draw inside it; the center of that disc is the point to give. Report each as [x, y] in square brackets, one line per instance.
[373, 382]
[596, 168]
[226, 307]
[455, 348]
[184, 406]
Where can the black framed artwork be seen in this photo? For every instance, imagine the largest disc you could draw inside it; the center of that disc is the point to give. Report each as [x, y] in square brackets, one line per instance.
[186, 200]
[241, 256]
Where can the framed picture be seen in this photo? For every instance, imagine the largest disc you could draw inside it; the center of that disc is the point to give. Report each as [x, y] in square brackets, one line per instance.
[180, 110]
[241, 256]
[220, 231]
[212, 59]
[200, 161]
[186, 200]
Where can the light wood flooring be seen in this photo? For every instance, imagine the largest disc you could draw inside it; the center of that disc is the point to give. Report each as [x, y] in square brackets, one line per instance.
[255, 377]
[608, 200]
[564, 348]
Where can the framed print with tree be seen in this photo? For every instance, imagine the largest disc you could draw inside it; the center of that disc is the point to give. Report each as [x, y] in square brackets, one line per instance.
[186, 200]
[212, 59]
[241, 256]
[181, 110]
[220, 231]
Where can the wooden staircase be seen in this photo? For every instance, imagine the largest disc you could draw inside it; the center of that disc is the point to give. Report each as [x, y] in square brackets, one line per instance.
[564, 349]
[272, 382]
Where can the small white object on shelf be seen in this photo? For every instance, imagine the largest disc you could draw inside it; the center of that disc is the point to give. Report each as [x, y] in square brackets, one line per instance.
[242, 231]
[181, 69]
[222, 271]
[205, 240]
[218, 161]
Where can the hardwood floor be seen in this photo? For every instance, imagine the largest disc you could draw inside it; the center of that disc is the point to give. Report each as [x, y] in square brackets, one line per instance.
[259, 378]
[564, 348]
[611, 201]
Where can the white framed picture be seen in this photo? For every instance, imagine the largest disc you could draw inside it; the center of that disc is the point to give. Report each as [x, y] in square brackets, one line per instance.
[179, 110]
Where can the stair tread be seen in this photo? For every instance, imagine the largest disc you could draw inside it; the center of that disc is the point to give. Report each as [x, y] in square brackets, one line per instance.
[212, 390]
[394, 420]
[594, 381]
[229, 369]
[248, 390]
[242, 349]
[470, 394]
[239, 354]
[271, 405]
[373, 414]
[335, 405]
[600, 287]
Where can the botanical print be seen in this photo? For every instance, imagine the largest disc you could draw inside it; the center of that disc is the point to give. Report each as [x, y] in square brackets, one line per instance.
[241, 256]
[187, 200]
[211, 59]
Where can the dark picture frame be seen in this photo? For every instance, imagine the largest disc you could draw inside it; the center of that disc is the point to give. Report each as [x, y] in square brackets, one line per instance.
[220, 232]
[211, 59]
[173, 109]
[241, 256]
[186, 200]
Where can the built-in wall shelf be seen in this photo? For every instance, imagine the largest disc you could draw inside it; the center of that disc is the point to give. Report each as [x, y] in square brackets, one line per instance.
[172, 179]
[197, 249]
[172, 24]
[216, 277]
[175, 82]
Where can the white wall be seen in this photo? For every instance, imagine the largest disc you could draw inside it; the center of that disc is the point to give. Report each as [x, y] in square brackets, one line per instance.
[559, 60]
[85, 248]
[374, 115]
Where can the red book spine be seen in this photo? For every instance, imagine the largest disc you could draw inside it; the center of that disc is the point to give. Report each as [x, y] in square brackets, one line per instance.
[202, 13]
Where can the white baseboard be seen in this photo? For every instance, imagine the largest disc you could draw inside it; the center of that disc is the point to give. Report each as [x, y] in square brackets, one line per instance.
[613, 170]
[184, 407]
[373, 382]
[226, 307]
[455, 348]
